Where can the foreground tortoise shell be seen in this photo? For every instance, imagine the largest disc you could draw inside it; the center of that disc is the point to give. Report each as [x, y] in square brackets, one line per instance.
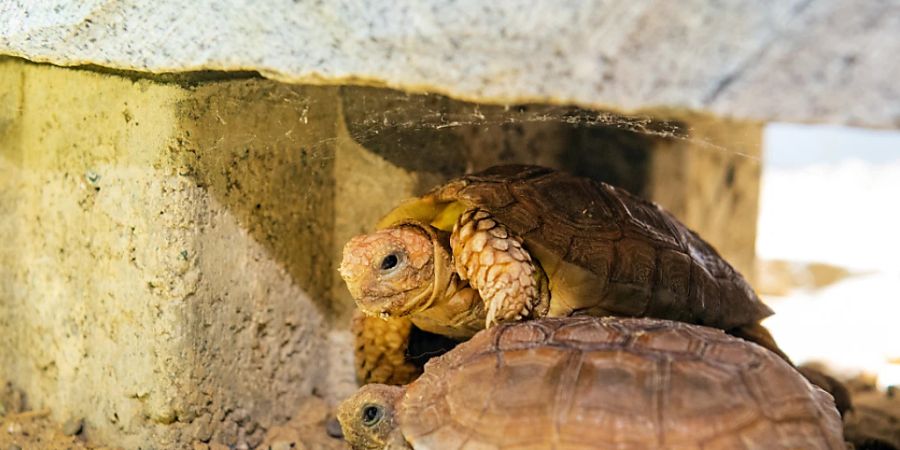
[599, 383]
[604, 252]
[601, 247]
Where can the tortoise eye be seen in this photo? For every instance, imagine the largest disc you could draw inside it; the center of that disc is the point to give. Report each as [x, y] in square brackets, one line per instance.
[371, 415]
[390, 261]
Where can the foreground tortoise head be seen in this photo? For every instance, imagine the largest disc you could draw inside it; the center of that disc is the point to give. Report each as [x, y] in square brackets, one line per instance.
[397, 270]
[584, 382]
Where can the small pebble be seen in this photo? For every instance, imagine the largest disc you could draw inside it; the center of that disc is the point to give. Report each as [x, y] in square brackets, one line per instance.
[72, 427]
[333, 428]
[14, 447]
[282, 445]
[14, 428]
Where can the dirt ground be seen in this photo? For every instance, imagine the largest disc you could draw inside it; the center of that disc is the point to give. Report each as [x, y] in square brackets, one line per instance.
[22, 428]
[873, 425]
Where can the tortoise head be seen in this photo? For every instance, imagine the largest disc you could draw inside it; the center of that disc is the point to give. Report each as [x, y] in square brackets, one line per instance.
[368, 418]
[397, 270]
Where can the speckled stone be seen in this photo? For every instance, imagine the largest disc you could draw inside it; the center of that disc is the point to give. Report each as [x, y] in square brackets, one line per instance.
[181, 295]
[72, 426]
[791, 60]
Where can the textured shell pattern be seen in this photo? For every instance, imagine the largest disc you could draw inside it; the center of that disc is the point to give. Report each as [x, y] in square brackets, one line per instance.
[652, 264]
[584, 382]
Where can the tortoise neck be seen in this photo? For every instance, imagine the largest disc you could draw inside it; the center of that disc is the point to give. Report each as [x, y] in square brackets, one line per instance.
[458, 313]
[444, 279]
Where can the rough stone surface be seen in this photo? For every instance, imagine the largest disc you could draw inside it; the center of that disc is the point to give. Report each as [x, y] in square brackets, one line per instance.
[164, 262]
[790, 60]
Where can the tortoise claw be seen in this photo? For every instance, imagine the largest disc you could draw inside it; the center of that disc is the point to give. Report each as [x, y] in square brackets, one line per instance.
[492, 312]
[501, 309]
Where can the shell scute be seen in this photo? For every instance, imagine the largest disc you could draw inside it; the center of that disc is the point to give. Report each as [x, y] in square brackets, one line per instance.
[636, 263]
[518, 218]
[670, 341]
[511, 338]
[705, 301]
[509, 172]
[577, 201]
[674, 273]
[645, 219]
[552, 237]
[489, 195]
[510, 393]
[595, 254]
[616, 398]
[673, 287]
[584, 332]
[705, 401]
[727, 352]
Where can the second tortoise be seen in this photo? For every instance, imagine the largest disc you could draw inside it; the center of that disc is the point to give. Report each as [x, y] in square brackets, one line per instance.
[598, 383]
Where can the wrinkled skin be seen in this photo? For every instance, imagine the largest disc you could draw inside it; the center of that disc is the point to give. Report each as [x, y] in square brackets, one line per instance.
[369, 418]
[407, 271]
[392, 271]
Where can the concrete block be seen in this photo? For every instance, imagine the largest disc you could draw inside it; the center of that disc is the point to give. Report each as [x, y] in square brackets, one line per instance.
[164, 264]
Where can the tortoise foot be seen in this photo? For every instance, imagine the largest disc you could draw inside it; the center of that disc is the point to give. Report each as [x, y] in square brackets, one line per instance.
[381, 350]
[493, 261]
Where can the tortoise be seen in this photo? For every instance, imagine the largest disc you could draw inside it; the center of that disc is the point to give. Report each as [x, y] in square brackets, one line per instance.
[600, 383]
[519, 242]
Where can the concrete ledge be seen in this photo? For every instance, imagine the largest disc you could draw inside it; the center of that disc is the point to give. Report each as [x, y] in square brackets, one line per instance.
[787, 60]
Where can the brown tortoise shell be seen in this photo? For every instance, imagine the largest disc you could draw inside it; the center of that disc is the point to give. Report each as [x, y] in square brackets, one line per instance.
[616, 383]
[653, 264]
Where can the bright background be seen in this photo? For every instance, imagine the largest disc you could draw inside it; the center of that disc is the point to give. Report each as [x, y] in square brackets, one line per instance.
[832, 195]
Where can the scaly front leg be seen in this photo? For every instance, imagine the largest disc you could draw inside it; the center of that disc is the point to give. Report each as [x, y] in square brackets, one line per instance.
[380, 351]
[494, 262]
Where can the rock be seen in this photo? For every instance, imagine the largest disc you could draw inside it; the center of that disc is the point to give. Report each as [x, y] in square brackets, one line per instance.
[333, 428]
[12, 399]
[284, 445]
[72, 427]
